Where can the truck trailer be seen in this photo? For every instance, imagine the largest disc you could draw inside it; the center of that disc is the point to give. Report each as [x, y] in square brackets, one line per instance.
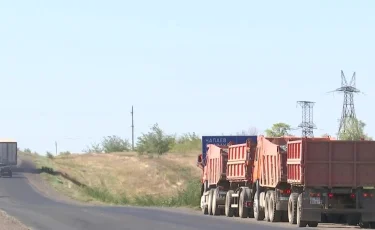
[331, 177]
[271, 190]
[8, 156]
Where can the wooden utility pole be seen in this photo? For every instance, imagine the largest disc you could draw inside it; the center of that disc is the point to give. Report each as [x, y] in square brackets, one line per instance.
[132, 113]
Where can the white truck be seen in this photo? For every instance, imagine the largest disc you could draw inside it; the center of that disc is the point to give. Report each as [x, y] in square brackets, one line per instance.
[8, 156]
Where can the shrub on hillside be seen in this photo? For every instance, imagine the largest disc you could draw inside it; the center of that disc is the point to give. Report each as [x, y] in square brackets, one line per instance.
[110, 144]
[27, 150]
[155, 141]
[49, 155]
[187, 142]
[66, 153]
[115, 144]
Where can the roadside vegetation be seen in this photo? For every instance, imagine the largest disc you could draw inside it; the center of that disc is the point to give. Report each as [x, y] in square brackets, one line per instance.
[160, 171]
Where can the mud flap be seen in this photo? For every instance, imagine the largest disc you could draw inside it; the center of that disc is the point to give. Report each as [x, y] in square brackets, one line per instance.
[313, 215]
[368, 217]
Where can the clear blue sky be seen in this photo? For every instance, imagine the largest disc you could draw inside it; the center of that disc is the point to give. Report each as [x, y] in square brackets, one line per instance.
[71, 70]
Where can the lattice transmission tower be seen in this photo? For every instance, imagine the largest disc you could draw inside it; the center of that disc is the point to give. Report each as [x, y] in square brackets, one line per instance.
[348, 110]
[307, 123]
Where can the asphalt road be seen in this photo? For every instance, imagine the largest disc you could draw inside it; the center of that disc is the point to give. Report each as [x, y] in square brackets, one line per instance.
[19, 199]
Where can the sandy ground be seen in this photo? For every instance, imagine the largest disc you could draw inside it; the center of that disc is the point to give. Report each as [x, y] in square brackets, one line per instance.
[10, 223]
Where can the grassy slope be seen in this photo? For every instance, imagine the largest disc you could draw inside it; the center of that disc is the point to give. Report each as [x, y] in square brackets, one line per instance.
[125, 178]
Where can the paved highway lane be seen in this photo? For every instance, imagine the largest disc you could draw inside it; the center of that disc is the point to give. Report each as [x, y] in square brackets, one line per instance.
[19, 199]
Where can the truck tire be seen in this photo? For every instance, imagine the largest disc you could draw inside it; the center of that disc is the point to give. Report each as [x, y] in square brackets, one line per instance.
[313, 224]
[203, 205]
[215, 207]
[300, 223]
[258, 212]
[242, 209]
[228, 202]
[274, 215]
[266, 207]
[292, 208]
[210, 196]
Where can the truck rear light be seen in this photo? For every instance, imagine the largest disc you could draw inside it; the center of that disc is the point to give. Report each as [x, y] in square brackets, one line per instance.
[368, 195]
[249, 204]
[352, 195]
[330, 195]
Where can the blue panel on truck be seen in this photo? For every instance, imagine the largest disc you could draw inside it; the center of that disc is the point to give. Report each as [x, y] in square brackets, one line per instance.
[224, 140]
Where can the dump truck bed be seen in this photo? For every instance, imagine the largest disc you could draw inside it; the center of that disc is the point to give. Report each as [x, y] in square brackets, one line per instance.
[270, 165]
[216, 167]
[331, 163]
[240, 162]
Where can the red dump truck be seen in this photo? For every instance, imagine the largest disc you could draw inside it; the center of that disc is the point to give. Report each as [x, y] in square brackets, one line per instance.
[330, 177]
[302, 181]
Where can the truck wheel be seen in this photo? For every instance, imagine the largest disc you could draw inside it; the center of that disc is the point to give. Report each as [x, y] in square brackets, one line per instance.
[249, 193]
[313, 224]
[300, 223]
[274, 215]
[292, 208]
[215, 207]
[210, 196]
[266, 208]
[228, 203]
[242, 209]
[258, 212]
[203, 205]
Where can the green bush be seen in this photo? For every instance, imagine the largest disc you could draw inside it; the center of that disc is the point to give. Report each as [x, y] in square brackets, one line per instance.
[186, 143]
[110, 144]
[155, 141]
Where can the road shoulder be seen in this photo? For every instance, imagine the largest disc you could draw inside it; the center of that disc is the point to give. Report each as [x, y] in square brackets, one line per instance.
[8, 222]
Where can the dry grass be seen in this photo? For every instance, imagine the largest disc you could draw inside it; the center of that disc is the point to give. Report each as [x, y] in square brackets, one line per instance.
[124, 175]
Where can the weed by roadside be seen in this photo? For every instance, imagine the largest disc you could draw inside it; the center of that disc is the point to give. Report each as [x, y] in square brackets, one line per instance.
[188, 197]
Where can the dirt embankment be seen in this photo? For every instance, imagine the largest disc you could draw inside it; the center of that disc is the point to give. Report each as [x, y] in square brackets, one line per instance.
[113, 178]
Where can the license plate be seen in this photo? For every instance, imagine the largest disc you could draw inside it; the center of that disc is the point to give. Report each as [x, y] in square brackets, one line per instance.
[315, 200]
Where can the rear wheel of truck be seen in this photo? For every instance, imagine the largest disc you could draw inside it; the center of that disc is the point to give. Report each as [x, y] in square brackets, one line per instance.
[215, 207]
[210, 196]
[274, 215]
[242, 209]
[266, 207]
[203, 205]
[258, 212]
[292, 208]
[228, 202]
[300, 223]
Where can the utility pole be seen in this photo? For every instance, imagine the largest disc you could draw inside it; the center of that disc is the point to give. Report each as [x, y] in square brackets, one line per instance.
[132, 113]
[56, 147]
